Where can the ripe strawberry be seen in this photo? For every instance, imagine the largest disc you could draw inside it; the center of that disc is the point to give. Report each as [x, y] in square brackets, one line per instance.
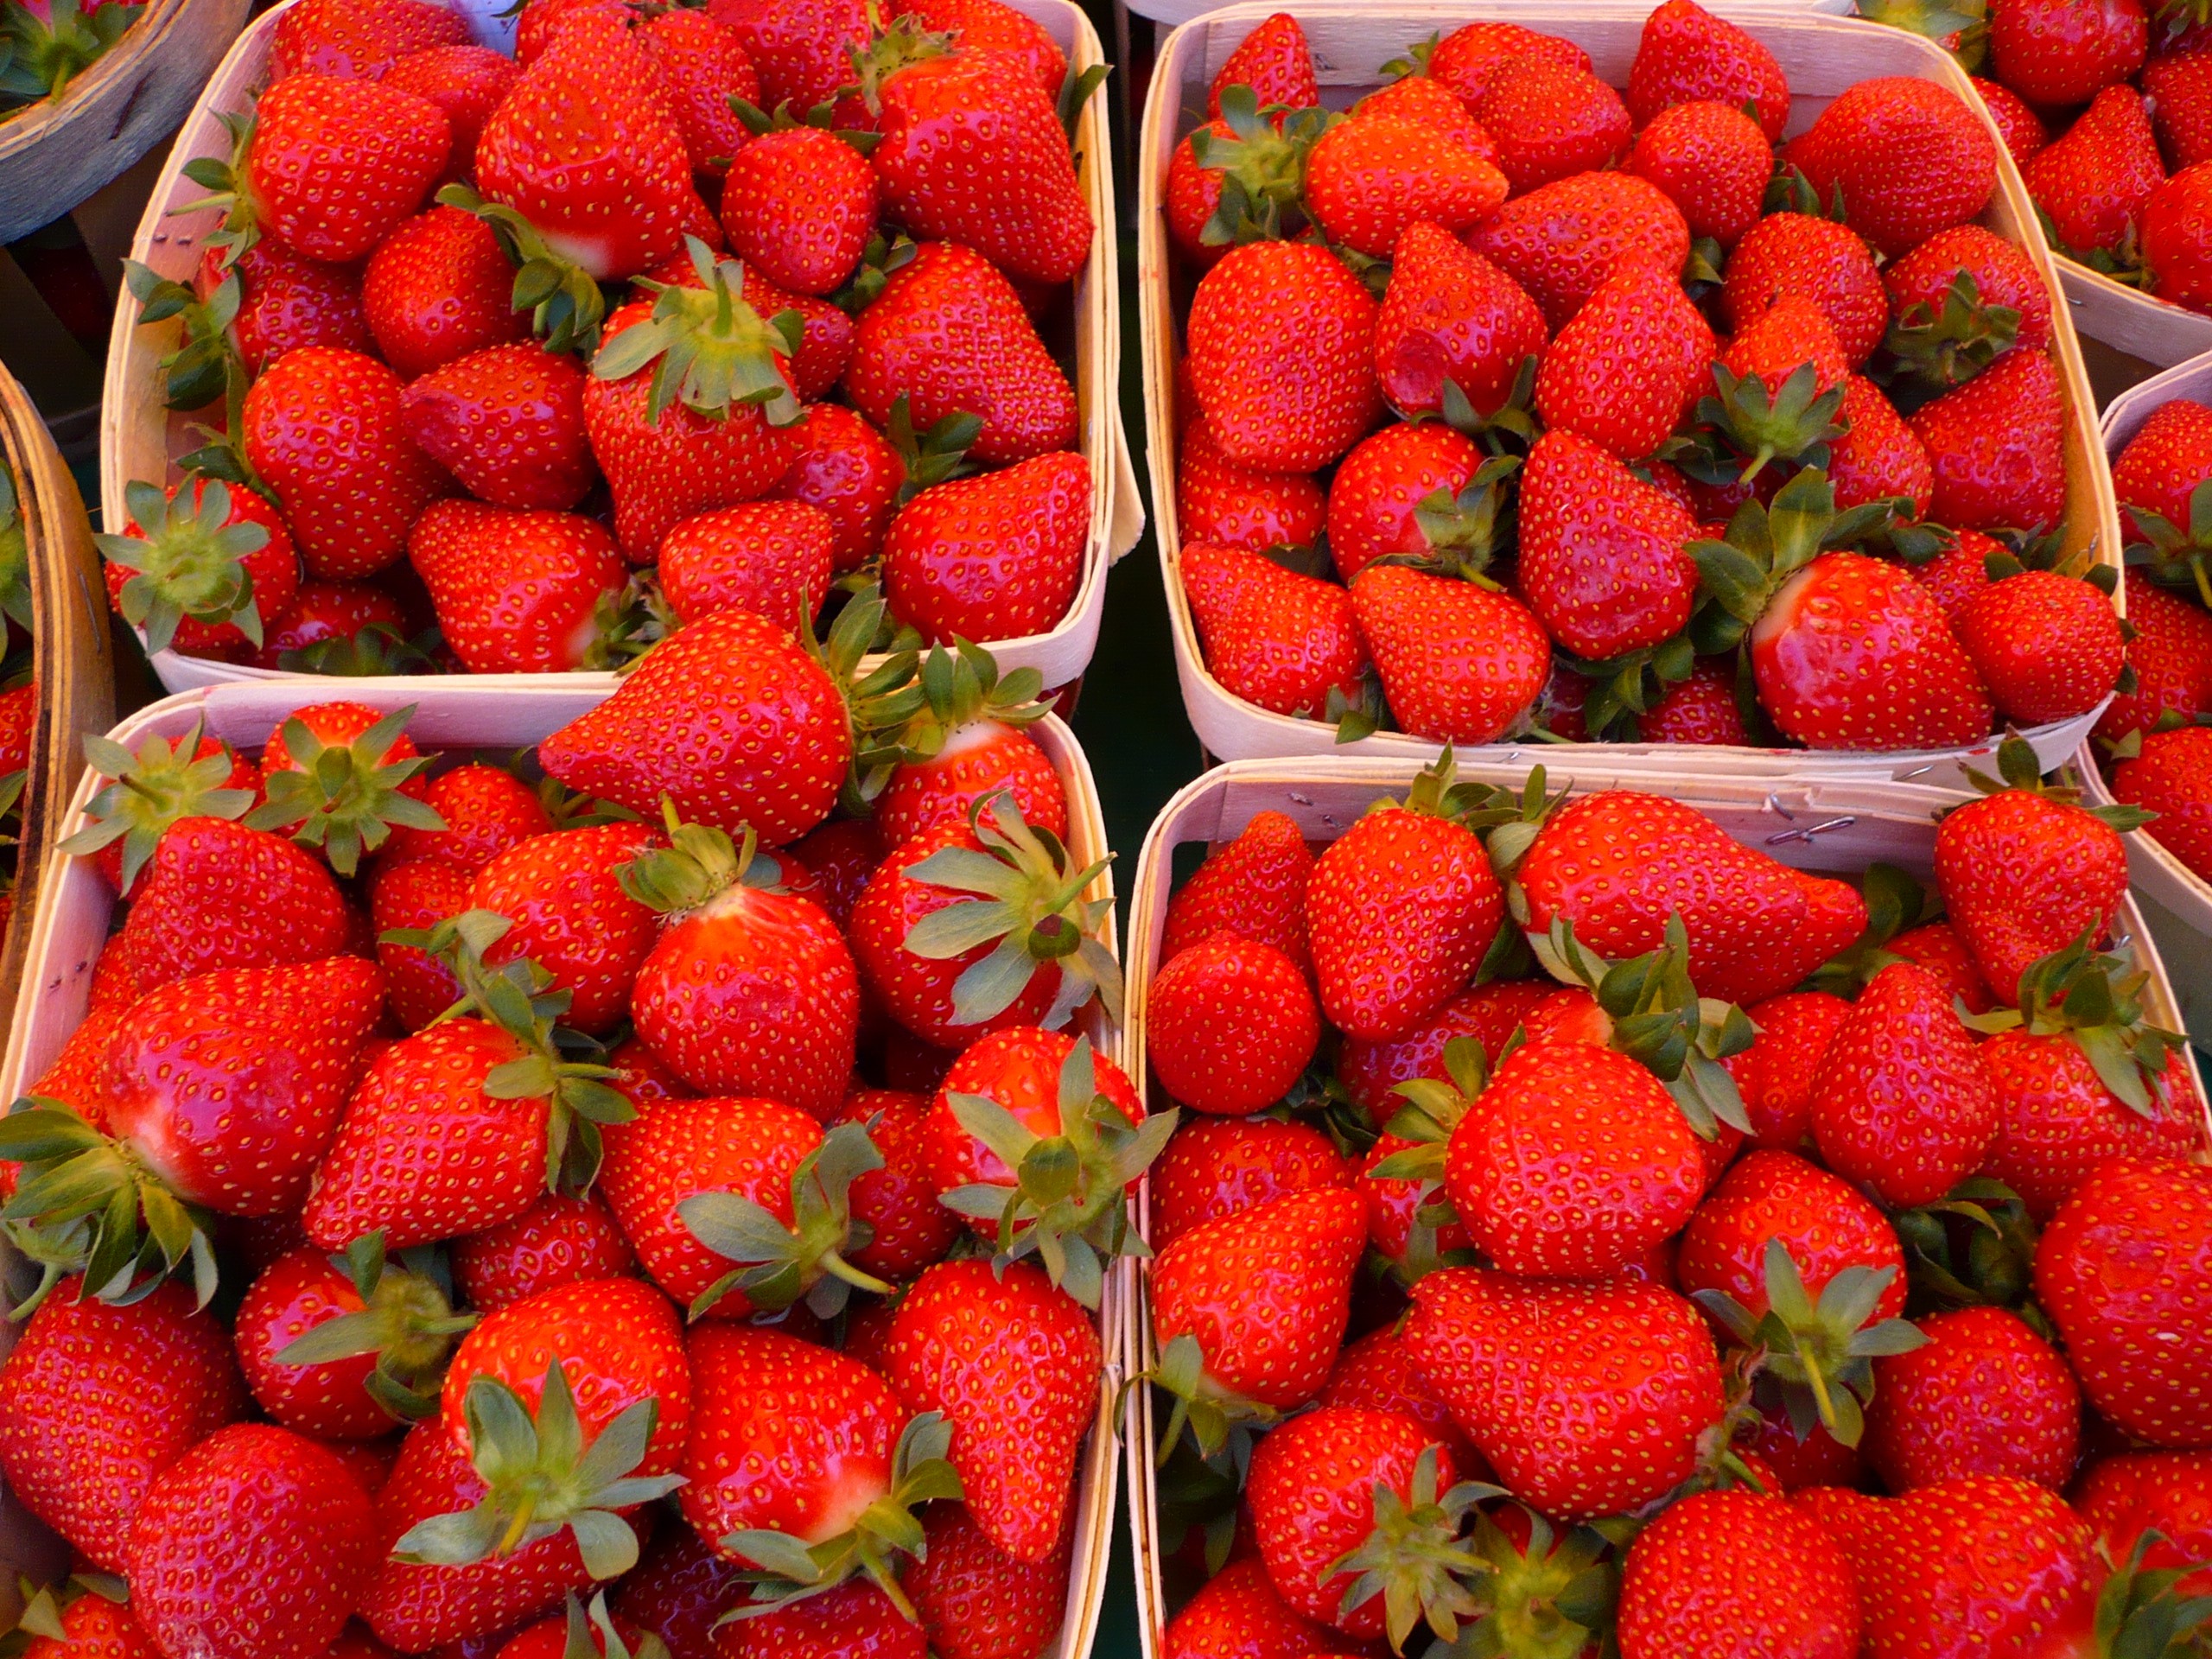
[855, 1620]
[1774, 1074]
[2125, 1496]
[1429, 102]
[336, 164]
[287, 300]
[572, 915]
[1986, 1395]
[2157, 475]
[772, 558]
[486, 810]
[1909, 158]
[686, 724]
[1902, 1103]
[201, 571]
[803, 51]
[1724, 1568]
[1401, 911]
[1370, 179]
[2181, 109]
[2091, 184]
[1532, 1369]
[161, 785]
[2172, 777]
[1559, 241]
[324, 427]
[699, 65]
[583, 148]
[557, 1241]
[156, 1375]
[1955, 335]
[1237, 1612]
[1937, 947]
[1686, 55]
[1625, 373]
[990, 25]
[1254, 887]
[1551, 120]
[1272, 636]
[1281, 345]
[1602, 563]
[2056, 55]
[465, 80]
[2175, 251]
[799, 205]
[340, 775]
[1488, 1013]
[1225, 506]
[994, 557]
[86, 1626]
[1448, 314]
[1699, 709]
[252, 1544]
[1713, 160]
[2019, 127]
[1959, 572]
[436, 289]
[1274, 61]
[970, 741]
[342, 621]
[1878, 459]
[2047, 646]
[848, 469]
[516, 593]
[359, 43]
[1468, 57]
[1376, 496]
[508, 421]
[679, 1591]
[1616, 864]
[1230, 1026]
[975, 1601]
[1214, 1168]
[897, 1203]
[218, 895]
[1819, 259]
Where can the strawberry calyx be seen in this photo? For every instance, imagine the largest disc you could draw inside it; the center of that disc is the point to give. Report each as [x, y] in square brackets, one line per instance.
[407, 1320]
[1973, 1247]
[594, 1634]
[881, 257]
[899, 44]
[152, 790]
[921, 1473]
[344, 798]
[565, 301]
[1820, 1354]
[2174, 556]
[1513, 424]
[1433, 1108]
[1416, 1559]
[821, 117]
[1218, 1419]
[1068, 1206]
[1464, 529]
[778, 1266]
[962, 688]
[2018, 769]
[1895, 903]
[189, 560]
[628, 623]
[2078, 993]
[2176, 17]
[1767, 542]
[1262, 166]
[42, 1605]
[1548, 1594]
[1791, 423]
[2123, 262]
[226, 179]
[2141, 1610]
[1961, 27]
[933, 455]
[197, 372]
[541, 1476]
[879, 700]
[707, 348]
[1947, 345]
[375, 651]
[1029, 903]
[699, 864]
[1790, 191]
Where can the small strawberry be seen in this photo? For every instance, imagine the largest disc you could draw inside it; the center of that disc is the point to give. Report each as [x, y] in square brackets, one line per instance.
[993, 26]
[508, 421]
[486, 810]
[1448, 314]
[333, 165]
[359, 43]
[84, 1625]
[1214, 1168]
[516, 592]
[1826, 263]
[1909, 157]
[1551, 120]
[436, 289]
[2056, 55]
[1230, 1026]
[1937, 947]
[1713, 160]
[2019, 127]
[1703, 709]
[997, 556]
[1774, 1074]
[1221, 504]
[1253, 885]
[2172, 775]
[897, 1203]
[557, 1241]
[845, 468]
[1877, 458]
[1370, 179]
[1273, 636]
[1686, 55]
[1274, 61]
[202, 571]
[773, 558]
[336, 623]
[803, 51]
[800, 204]
[2091, 184]
[1986, 1395]
[1559, 242]
[1738, 1565]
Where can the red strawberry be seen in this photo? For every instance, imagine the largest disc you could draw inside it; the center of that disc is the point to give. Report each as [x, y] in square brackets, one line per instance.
[2174, 83]
[1902, 1103]
[2003, 275]
[1559, 242]
[994, 557]
[155, 1375]
[346, 621]
[324, 427]
[557, 1241]
[799, 205]
[1531, 1369]
[975, 1600]
[201, 571]
[729, 719]
[1699, 709]
[2092, 183]
[772, 558]
[1625, 373]
[841, 854]
[1468, 57]
[1909, 158]
[990, 25]
[1377, 499]
[1736, 1567]
[971, 742]
[700, 66]
[1959, 571]
[1378, 1373]
[958, 1338]
[1272, 636]
[2175, 251]
[1226, 506]
[2021, 127]
[909, 1228]
[436, 289]
[88, 1626]
[1280, 343]
[1937, 947]
[1274, 61]
[803, 50]
[1429, 102]
[572, 916]
[1489, 1012]
[253, 1544]
[1686, 55]
[359, 43]
[1774, 1074]
[1602, 561]
[948, 332]
[1713, 160]
[465, 80]
[1987, 1395]
[486, 810]
[1551, 120]
[516, 593]
[286, 301]
[508, 421]
[1217, 1167]
[1254, 887]
[1238, 1615]
[2172, 777]
[161, 785]
[679, 1591]
[1824, 262]
[1877, 458]
[1370, 179]
[2058, 54]
[1448, 314]
[855, 1620]
[336, 164]
[1826, 1228]
[218, 895]
[585, 150]
[2125, 1496]
[2047, 646]
[1230, 1026]
[847, 468]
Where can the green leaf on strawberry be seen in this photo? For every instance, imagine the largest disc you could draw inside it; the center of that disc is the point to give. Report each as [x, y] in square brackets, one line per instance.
[407, 1320]
[780, 1265]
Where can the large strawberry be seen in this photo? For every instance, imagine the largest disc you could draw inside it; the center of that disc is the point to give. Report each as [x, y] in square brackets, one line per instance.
[1686, 54]
[1253, 885]
[1218, 502]
[799, 205]
[1219, 1166]
[997, 556]
[562, 893]
[437, 290]
[1602, 559]
[1449, 314]
[2129, 1494]
[1826, 263]
[1230, 1026]
[1997, 445]
[2091, 185]
[1370, 179]
[1742, 1566]
[1559, 242]
[334, 165]
[1274, 636]
[1908, 157]
[516, 593]
[1460, 662]
[1983, 1395]
[1713, 160]
[2056, 55]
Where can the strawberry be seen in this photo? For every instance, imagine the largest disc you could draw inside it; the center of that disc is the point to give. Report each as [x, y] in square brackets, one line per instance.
[699, 65]
[584, 149]
[1488, 1013]
[1448, 314]
[1572, 1119]
[557, 1241]
[359, 43]
[1713, 160]
[1238, 1615]
[154, 1376]
[954, 1339]
[1702, 708]
[1909, 158]
[855, 1620]
[1532, 1369]
[1626, 370]
[841, 855]
[324, 427]
[1947, 329]
[1230, 1026]
[948, 332]
[679, 1591]
[1214, 1168]
[572, 915]
[252, 1544]
[1902, 1103]
[2091, 184]
[436, 289]
[1257, 161]
[1223, 505]
[218, 895]
[845, 468]
[1602, 563]
[1774, 1074]
[2019, 127]
[772, 558]
[1937, 947]
[1738, 1567]
[2180, 109]
[1370, 179]
[991, 25]
[1959, 571]
[687, 724]
[340, 776]
[909, 1229]
[341, 622]
[380, 1333]
[1877, 458]
[1272, 636]
[2172, 776]
[2047, 646]
[162, 784]
[1429, 102]
[1377, 1373]
[1616, 864]
[508, 421]
[1687, 55]
[287, 300]
[465, 80]
[1551, 120]
[86, 1626]
[201, 571]
[969, 741]
[1468, 57]
[1824, 262]
[1401, 911]
[1250, 1310]
[335, 165]
[1986, 1395]
[486, 810]
[975, 1600]
[1281, 345]
[1376, 497]
[2056, 55]
[2126, 1496]
[993, 558]
[803, 51]
[1253, 885]
[516, 592]
[799, 205]
[1274, 61]
[2156, 476]
[1560, 241]
[2176, 255]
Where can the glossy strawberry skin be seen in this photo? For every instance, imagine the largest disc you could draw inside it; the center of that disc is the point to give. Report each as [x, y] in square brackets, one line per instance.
[1226, 506]
[436, 289]
[2047, 646]
[1231, 1026]
[1628, 368]
[1272, 636]
[997, 556]
[678, 1592]
[801, 205]
[1686, 55]
[1274, 61]
[846, 468]
[1237, 1613]
[1857, 142]
[486, 810]
[1215, 1167]
[1987, 1395]
[1826, 263]
[467, 82]
[1380, 485]
[898, 1202]
[1997, 445]
[2061, 54]
[2124, 1495]
[1775, 1075]
[1253, 885]
[336, 164]
[1602, 561]
[516, 593]
[508, 421]
[558, 1241]
[1551, 120]
[1725, 1572]
[1018, 1067]
[1450, 315]
[2022, 875]
[978, 760]
[975, 1600]
[570, 915]
[301, 1291]
[1559, 242]
[1489, 1012]
[1713, 160]
[2173, 777]
[2004, 274]
[1370, 179]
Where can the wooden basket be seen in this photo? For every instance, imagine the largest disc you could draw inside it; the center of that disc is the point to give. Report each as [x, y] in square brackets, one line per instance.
[139, 437]
[1835, 823]
[53, 155]
[1821, 55]
[76, 907]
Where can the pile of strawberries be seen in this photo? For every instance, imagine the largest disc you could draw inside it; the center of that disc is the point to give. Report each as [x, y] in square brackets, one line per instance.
[1512, 404]
[2126, 85]
[512, 365]
[652, 1189]
[1587, 1235]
